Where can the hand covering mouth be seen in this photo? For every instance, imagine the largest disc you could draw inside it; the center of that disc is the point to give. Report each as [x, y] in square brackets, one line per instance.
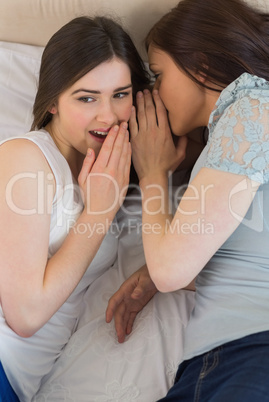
[98, 134]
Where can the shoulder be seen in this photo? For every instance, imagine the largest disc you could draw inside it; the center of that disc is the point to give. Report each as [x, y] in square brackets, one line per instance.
[21, 147]
[25, 175]
[246, 93]
[21, 154]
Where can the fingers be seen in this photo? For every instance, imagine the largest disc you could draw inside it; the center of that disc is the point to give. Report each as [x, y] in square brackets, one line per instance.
[133, 127]
[125, 166]
[113, 303]
[150, 112]
[130, 323]
[146, 113]
[120, 320]
[86, 167]
[140, 290]
[119, 146]
[137, 293]
[119, 307]
[160, 110]
[105, 152]
[141, 115]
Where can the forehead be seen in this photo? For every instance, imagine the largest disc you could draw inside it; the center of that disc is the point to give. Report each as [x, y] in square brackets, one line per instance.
[109, 75]
[158, 57]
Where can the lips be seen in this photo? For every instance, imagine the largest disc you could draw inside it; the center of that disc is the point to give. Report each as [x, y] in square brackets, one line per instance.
[99, 134]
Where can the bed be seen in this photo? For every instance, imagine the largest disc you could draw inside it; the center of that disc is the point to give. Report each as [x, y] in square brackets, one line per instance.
[93, 366]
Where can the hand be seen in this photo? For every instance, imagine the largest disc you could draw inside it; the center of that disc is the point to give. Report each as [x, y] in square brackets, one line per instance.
[154, 151]
[104, 183]
[126, 303]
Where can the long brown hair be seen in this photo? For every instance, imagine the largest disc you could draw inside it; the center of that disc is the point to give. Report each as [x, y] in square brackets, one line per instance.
[74, 50]
[220, 39]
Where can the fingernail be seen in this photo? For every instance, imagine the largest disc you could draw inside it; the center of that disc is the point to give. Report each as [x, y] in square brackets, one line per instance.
[124, 125]
[155, 92]
[139, 94]
[89, 152]
[146, 91]
[115, 128]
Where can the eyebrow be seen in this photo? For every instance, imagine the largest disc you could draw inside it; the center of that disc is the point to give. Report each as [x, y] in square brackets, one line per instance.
[92, 91]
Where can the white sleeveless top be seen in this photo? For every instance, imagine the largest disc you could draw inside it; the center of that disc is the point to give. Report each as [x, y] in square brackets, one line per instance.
[27, 360]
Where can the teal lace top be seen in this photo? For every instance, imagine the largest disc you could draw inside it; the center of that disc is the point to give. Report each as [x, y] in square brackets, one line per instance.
[232, 290]
[239, 129]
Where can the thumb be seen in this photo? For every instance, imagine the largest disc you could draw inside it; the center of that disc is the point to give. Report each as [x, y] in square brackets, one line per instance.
[86, 167]
[137, 292]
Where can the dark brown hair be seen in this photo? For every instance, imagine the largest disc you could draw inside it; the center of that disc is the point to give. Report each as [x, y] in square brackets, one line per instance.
[74, 50]
[220, 39]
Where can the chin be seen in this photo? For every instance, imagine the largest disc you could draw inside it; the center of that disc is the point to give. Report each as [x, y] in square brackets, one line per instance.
[180, 131]
[177, 132]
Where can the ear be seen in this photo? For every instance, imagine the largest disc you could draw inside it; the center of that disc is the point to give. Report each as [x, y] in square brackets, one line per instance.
[53, 109]
[201, 74]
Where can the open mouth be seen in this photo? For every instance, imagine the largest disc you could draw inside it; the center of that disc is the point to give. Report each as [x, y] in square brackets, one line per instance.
[99, 134]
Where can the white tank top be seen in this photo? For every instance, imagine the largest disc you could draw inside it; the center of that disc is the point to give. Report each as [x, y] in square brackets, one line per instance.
[27, 360]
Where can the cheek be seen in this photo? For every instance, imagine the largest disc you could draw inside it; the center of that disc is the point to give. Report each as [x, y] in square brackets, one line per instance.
[81, 116]
[124, 111]
[164, 95]
[72, 113]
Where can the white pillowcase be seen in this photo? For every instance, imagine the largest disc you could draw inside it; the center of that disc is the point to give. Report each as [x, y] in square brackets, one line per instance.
[19, 66]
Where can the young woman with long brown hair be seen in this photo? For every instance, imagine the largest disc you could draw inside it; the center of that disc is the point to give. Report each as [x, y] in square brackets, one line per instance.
[69, 174]
[211, 63]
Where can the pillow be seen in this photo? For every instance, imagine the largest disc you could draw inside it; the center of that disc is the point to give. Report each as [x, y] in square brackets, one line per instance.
[29, 22]
[19, 65]
[34, 21]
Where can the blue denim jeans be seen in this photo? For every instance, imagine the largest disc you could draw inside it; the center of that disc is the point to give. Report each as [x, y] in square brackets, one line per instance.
[237, 371]
[6, 391]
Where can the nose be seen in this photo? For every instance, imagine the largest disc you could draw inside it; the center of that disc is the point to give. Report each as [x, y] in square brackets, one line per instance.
[106, 113]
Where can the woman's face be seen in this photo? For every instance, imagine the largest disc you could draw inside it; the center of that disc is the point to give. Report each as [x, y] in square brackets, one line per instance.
[87, 110]
[182, 97]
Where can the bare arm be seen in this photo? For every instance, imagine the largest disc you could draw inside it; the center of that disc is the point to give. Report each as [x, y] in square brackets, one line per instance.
[175, 253]
[33, 288]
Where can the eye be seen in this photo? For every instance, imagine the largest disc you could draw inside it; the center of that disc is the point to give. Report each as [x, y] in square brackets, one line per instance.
[86, 99]
[121, 95]
[154, 77]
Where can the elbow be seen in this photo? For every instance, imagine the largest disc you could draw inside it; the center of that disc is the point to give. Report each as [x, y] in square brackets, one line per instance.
[25, 317]
[165, 287]
[168, 279]
[166, 282]
[24, 323]
[23, 328]
[23, 332]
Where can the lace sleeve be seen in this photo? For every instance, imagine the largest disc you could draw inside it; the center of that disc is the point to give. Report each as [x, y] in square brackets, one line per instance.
[239, 141]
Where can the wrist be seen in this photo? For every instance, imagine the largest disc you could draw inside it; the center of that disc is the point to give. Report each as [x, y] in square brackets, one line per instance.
[98, 217]
[160, 178]
[154, 195]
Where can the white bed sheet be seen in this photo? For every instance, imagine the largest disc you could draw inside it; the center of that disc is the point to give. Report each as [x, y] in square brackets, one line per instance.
[93, 366]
